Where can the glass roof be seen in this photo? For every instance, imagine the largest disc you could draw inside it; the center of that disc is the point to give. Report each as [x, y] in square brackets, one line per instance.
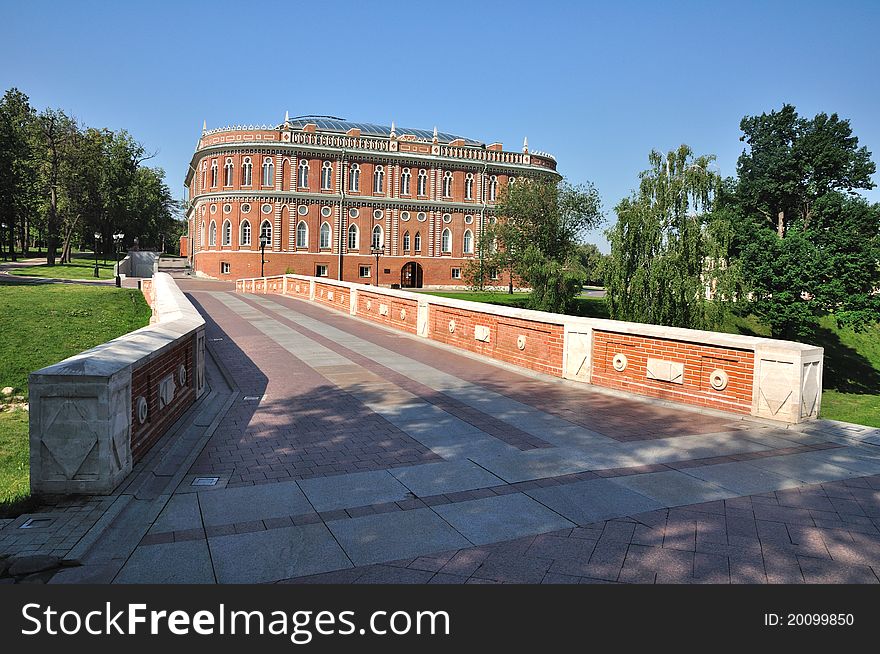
[369, 129]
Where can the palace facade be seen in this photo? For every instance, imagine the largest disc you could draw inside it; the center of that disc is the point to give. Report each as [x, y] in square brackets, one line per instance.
[326, 195]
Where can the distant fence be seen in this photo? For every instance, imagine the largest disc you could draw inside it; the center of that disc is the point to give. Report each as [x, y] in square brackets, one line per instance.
[780, 380]
[94, 414]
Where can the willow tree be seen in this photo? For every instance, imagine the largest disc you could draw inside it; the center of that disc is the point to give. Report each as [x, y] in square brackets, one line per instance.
[662, 252]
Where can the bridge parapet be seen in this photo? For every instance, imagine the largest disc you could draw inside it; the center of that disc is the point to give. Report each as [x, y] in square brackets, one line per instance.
[95, 413]
[762, 377]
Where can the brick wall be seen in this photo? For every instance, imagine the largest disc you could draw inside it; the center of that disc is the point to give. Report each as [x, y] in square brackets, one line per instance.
[336, 297]
[541, 343]
[699, 362]
[391, 311]
[145, 382]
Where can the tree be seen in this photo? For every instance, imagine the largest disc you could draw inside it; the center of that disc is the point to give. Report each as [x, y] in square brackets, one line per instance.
[663, 249]
[539, 226]
[17, 166]
[797, 184]
[591, 260]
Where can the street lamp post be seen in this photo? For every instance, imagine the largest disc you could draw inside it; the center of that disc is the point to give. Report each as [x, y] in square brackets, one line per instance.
[377, 251]
[97, 238]
[2, 236]
[117, 242]
[264, 241]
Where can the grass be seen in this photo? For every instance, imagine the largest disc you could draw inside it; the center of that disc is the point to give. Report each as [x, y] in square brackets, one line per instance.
[851, 379]
[41, 325]
[81, 267]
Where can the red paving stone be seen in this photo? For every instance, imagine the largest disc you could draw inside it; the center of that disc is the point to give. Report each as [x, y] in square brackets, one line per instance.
[305, 427]
[489, 424]
[822, 533]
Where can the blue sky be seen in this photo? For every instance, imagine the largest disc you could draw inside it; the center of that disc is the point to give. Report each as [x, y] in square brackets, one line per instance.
[597, 84]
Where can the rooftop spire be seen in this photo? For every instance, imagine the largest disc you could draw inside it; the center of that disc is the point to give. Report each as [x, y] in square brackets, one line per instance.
[436, 138]
[204, 126]
[393, 131]
[525, 144]
[286, 119]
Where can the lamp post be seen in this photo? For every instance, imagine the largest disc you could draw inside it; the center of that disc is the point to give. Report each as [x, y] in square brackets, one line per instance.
[2, 236]
[264, 241]
[97, 238]
[377, 251]
[117, 241]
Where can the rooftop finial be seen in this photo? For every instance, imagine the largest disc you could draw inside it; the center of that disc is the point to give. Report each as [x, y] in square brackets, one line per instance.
[287, 119]
[204, 126]
[436, 138]
[393, 131]
[526, 145]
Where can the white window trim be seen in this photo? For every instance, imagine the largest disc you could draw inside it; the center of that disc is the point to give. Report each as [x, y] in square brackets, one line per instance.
[321, 233]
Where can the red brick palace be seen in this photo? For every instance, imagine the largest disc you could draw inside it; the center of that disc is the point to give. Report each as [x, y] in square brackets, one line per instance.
[327, 193]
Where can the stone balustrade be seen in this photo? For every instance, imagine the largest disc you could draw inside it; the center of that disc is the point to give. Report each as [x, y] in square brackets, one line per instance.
[95, 413]
[762, 377]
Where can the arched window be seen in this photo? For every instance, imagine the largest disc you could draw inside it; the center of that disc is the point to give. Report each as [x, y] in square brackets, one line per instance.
[324, 241]
[214, 173]
[377, 237]
[247, 169]
[212, 234]
[266, 230]
[446, 241]
[304, 173]
[405, 177]
[204, 175]
[353, 237]
[226, 234]
[302, 235]
[227, 172]
[493, 187]
[354, 178]
[423, 182]
[379, 179]
[418, 242]
[245, 233]
[469, 186]
[406, 241]
[268, 172]
[468, 242]
[326, 176]
[447, 184]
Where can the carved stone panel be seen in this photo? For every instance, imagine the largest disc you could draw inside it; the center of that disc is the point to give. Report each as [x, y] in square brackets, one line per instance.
[482, 333]
[578, 346]
[666, 371]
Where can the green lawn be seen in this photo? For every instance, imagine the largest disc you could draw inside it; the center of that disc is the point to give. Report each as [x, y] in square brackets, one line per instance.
[43, 324]
[80, 268]
[852, 360]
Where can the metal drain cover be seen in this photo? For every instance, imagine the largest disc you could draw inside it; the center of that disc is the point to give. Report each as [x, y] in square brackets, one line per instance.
[36, 523]
[205, 481]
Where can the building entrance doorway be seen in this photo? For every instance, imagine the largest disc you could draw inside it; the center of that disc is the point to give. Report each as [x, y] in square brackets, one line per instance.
[411, 275]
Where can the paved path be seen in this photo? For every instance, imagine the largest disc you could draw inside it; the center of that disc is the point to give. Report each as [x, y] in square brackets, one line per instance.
[353, 453]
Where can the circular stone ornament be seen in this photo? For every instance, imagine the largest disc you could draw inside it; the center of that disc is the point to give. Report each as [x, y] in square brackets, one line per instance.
[620, 362]
[403, 314]
[181, 375]
[521, 342]
[142, 409]
[719, 379]
[451, 326]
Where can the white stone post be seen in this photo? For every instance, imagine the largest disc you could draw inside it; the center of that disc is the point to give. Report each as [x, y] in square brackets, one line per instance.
[787, 384]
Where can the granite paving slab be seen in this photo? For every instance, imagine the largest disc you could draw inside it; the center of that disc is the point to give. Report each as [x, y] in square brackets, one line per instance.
[504, 517]
[247, 503]
[264, 556]
[398, 535]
